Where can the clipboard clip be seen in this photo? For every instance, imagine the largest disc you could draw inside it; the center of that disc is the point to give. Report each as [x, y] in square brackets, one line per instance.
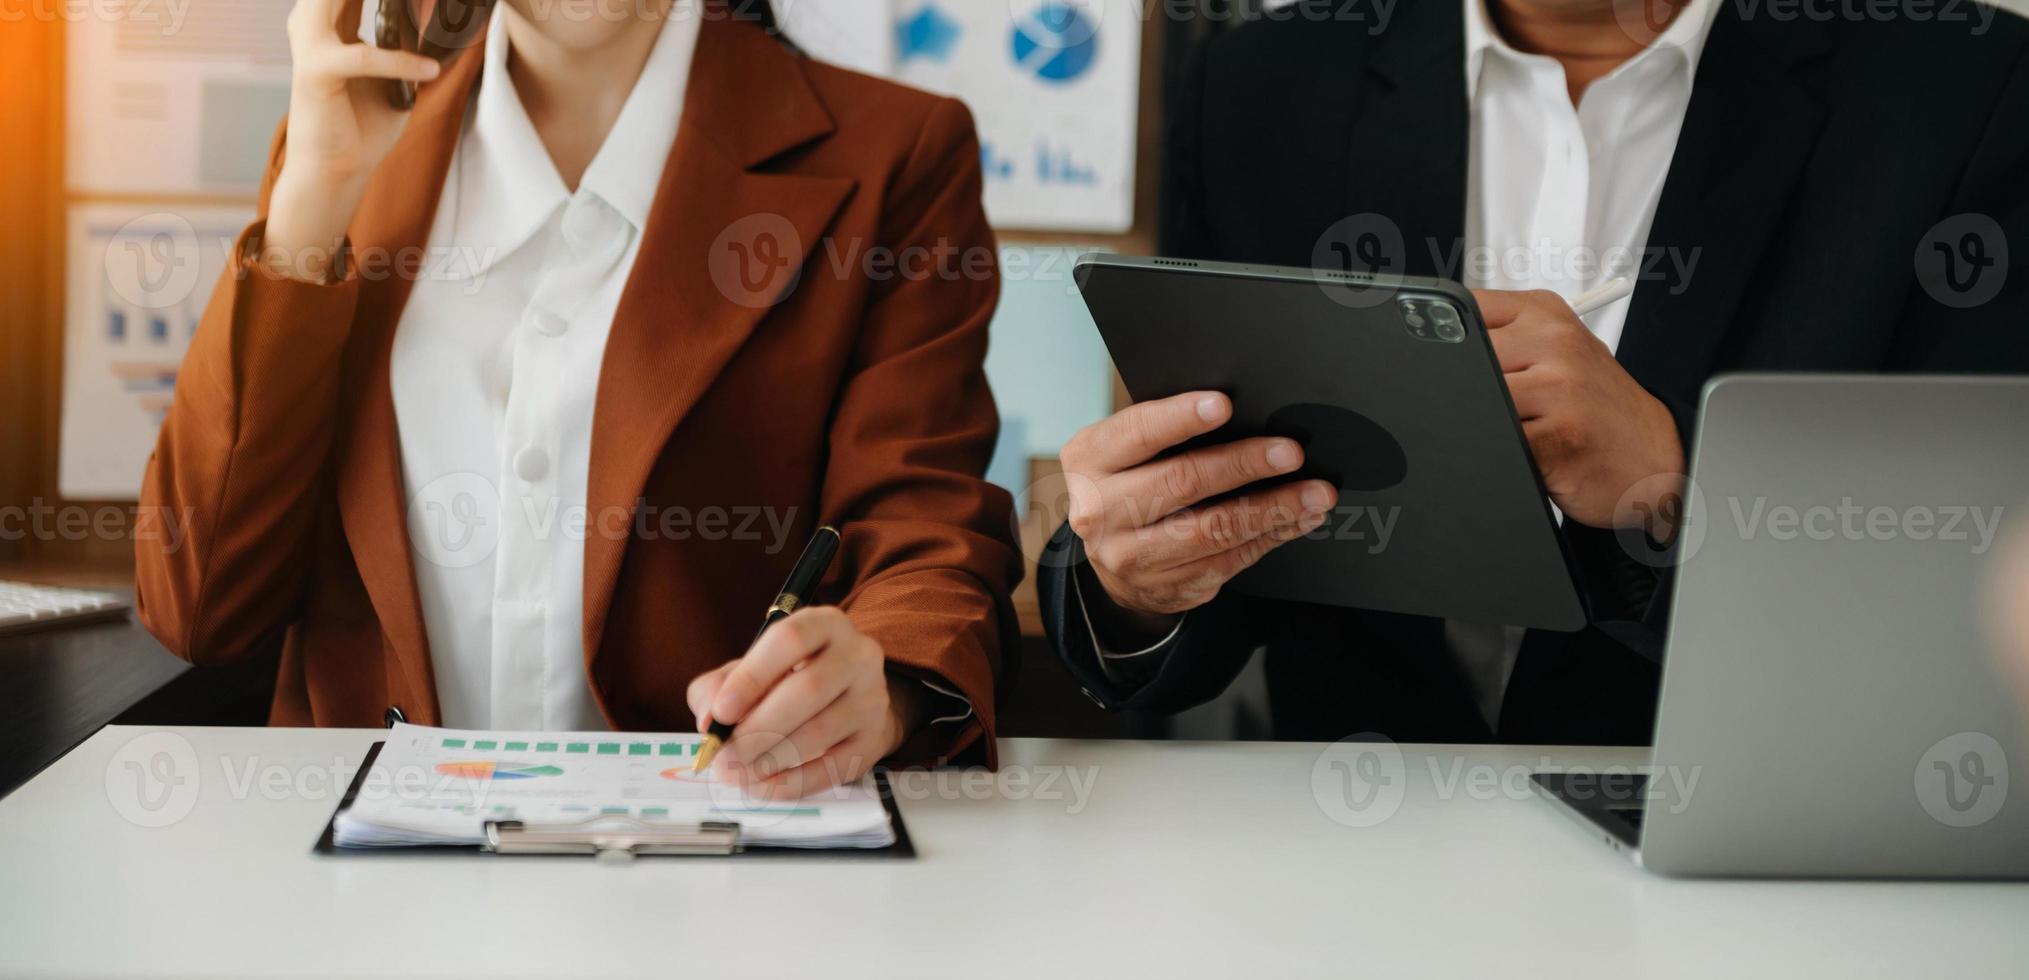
[612, 839]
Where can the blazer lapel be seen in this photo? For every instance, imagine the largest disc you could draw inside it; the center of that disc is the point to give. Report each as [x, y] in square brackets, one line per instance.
[1408, 148]
[1747, 136]
[711, 267]
[394, 221]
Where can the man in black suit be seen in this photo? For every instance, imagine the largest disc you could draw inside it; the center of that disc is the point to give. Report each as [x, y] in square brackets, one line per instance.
[1834, 188]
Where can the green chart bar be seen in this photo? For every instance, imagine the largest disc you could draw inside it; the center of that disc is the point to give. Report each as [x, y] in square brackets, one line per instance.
[575, 748]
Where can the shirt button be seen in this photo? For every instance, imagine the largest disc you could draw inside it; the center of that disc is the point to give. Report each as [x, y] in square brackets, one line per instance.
[550, 324]
[530, 464]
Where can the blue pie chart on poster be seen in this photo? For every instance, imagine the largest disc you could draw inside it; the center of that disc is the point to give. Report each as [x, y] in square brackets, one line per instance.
[1056, 42]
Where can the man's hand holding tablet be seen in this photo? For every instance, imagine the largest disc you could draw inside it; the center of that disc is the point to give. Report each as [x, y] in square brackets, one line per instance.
[1595, 434]
[1151, 549]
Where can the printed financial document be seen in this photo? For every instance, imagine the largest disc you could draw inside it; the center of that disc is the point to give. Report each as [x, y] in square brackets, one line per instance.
[437, 786]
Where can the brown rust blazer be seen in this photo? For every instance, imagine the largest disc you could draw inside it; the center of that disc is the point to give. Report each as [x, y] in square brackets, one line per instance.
[856, 398]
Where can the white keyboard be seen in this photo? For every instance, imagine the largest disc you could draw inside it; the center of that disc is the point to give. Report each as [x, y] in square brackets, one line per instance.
[31, 607]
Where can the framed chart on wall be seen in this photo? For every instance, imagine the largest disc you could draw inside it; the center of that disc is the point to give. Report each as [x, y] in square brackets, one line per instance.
[139, 277]
[169, 109]
[1054, 86]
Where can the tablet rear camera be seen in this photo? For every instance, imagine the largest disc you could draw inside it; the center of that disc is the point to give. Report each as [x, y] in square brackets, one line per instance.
[1433, 320]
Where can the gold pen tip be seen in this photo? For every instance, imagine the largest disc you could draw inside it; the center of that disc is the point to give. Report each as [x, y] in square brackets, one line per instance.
[705, 750]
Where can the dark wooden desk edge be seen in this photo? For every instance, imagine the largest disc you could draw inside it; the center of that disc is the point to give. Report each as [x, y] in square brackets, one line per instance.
[110, 667]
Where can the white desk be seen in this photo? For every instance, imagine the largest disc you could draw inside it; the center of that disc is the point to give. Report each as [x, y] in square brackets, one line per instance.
[1186, 860]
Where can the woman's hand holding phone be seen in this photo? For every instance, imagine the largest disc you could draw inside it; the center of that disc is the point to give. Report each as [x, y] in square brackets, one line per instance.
[340, 128]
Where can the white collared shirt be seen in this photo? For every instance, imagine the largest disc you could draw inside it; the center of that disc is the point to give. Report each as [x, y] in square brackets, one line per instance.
[1561, 197]
[495, 372]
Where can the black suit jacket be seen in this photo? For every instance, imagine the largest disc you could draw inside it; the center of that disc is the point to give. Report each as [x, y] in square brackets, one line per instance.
[1815, 165]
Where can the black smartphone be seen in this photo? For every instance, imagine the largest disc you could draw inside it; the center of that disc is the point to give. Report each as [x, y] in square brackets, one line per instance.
[436, 28]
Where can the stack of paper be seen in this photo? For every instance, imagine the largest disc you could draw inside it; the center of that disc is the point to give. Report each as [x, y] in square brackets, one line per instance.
[439, 786]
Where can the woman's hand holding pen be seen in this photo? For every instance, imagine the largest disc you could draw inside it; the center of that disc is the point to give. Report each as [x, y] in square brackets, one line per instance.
[814, 705]
[340, 128]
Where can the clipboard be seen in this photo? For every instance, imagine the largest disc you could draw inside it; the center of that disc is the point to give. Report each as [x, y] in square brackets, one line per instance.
[708, 840]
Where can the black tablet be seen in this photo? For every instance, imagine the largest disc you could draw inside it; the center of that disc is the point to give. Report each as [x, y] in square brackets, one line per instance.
[1393, 389]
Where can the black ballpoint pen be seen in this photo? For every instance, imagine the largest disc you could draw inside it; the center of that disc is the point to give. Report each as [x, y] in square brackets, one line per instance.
[803, 578]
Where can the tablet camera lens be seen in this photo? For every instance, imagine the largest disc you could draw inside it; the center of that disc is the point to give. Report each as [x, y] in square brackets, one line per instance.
[1432, 320]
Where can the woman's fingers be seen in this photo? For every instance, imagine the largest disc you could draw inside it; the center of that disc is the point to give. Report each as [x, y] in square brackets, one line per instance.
[320, 51]
[842, 719]
[350, 61]
[790, 703]
[810, 684]
[313, 20]
[844, 763]
[781, 648]
[702, 689]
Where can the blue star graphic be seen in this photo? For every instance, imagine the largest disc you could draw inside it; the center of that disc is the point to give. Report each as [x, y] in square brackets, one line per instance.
[930, 34]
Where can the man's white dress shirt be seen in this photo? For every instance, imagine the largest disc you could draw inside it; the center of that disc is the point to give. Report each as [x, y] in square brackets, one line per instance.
[1561, 197]
[495, 373]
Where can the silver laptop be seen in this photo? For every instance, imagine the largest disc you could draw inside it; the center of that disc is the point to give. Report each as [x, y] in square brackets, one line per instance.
[1833, 698]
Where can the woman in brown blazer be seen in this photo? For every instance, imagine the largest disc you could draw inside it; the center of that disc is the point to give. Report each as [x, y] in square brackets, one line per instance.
[516, 407]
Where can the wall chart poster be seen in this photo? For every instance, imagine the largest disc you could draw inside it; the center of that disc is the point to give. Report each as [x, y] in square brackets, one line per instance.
[138, 283]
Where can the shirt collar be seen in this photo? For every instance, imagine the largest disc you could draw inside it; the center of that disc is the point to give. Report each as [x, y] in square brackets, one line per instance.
[628, 168]
[507, 185]
[1684, 39]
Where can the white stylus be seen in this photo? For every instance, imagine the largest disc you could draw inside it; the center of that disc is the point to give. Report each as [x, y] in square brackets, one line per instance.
[1602, 296]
